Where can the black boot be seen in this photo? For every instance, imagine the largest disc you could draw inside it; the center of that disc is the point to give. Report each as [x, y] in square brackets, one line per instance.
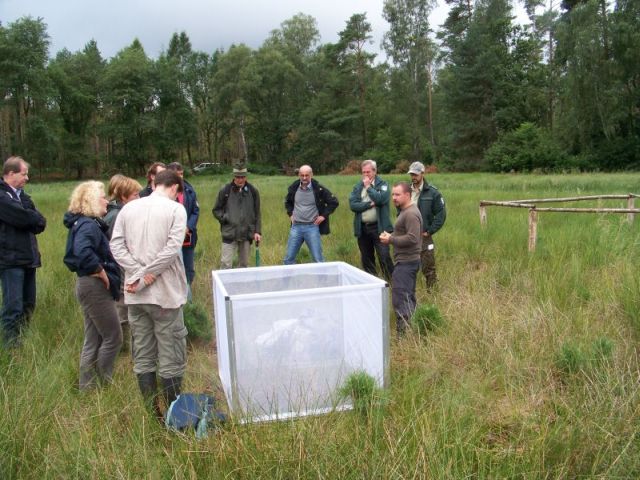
[170, 389]
[149, 389]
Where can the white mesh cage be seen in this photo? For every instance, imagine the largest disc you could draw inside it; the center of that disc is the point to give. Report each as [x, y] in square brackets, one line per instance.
[288, 336]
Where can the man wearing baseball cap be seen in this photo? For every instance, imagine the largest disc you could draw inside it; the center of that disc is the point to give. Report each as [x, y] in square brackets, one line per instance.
[432, 209]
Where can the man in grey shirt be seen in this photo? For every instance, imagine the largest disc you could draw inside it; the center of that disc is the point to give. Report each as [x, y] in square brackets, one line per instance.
[147, 243]
[308, 205]
[407, 242]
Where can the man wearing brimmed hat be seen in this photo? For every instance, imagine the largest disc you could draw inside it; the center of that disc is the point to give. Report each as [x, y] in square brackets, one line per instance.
[237, 209]
[431, 205]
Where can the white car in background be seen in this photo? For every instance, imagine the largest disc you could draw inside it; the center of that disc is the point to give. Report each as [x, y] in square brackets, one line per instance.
[201, 167]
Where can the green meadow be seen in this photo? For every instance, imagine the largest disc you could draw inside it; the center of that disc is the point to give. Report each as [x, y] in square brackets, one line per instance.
[532, 373]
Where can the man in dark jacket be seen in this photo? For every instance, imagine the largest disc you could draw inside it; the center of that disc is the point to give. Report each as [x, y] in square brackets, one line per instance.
[189, 200]
[369, 200]
[237, 209]
[308, 205]
[431, 205]
[20, 222]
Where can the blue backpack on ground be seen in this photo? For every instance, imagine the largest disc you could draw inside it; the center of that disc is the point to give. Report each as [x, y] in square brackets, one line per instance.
[192, 410]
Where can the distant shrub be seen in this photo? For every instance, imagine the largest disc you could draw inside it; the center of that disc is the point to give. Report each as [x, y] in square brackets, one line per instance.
[526, 148]
[388, 149]
[401, 167]
[196, 319]
[353, 167]
[427, 318]
[619, 153]
[262, 169]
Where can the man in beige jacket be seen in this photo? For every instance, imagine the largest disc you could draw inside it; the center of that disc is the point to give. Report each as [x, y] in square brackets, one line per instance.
[147, 243]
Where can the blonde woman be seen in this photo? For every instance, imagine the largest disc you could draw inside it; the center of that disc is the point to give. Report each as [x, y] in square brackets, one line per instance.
[121, 191]
[98, 283]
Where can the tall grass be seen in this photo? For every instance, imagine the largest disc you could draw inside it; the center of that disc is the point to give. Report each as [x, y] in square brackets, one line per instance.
[489, 396]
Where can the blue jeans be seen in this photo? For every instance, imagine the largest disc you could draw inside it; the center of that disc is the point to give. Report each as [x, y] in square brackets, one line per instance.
[188, 254]
[18, 300]
[299, 233]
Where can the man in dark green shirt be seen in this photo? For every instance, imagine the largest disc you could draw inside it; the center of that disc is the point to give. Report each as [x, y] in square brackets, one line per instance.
[432, 209]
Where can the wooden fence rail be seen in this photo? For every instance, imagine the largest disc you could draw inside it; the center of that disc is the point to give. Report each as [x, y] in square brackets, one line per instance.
[530, 204]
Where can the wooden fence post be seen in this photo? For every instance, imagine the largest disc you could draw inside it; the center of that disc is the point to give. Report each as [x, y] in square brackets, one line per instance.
[631, 205]
[483, 216]
[533, 229]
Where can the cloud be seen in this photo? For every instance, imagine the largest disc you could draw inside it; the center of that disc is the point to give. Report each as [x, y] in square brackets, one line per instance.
[210, 24]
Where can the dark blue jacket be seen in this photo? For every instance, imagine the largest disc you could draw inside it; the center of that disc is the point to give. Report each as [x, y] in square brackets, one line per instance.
[20, 222]
[88, 251]
[193, 211]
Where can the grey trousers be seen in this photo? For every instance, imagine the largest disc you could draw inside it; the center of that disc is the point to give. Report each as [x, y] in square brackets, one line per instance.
[403, 292]
[159, 340]
[102, 332]
[229, 249]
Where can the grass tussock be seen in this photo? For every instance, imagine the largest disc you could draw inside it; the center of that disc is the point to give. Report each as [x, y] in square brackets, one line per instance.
[522, 365]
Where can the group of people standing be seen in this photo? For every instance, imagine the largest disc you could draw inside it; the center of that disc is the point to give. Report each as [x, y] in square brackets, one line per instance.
[421, 214]
[132, 250]
[309, 205]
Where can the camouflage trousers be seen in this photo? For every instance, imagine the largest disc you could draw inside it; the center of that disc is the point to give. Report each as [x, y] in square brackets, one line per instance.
[428, 261]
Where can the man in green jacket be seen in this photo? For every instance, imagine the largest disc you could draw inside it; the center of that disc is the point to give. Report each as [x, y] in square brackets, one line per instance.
[369, 200]
[431, 205]
[238, 211]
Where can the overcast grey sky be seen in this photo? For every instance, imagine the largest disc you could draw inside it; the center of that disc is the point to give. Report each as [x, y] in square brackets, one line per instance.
[210, 24]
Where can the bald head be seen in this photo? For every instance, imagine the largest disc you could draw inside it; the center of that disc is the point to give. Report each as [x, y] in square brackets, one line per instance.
[305, 173]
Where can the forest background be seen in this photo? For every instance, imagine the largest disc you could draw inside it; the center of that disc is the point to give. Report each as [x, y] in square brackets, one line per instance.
[485, 93]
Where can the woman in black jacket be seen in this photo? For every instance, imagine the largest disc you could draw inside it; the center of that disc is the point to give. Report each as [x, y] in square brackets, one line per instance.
[98, 283]
[121, 190]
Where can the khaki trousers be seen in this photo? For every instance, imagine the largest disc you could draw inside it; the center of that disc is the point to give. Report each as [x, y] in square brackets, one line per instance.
[229, 250]
[159, 340]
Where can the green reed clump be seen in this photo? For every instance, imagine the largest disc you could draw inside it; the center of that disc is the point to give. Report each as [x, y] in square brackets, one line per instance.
[601, 350]
[573, 358]
[570, 359]
[361, 388]
[427, 318]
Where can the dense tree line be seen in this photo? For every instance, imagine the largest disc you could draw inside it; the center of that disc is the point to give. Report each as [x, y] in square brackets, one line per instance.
[484, 93]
